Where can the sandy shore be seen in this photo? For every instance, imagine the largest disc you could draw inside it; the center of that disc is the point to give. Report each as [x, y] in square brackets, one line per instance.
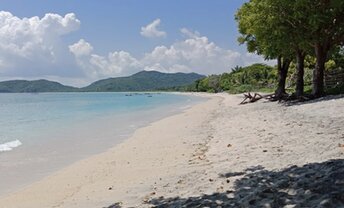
[217, 153]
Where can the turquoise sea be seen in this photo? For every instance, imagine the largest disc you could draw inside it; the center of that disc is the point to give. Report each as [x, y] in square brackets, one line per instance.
[41, 133]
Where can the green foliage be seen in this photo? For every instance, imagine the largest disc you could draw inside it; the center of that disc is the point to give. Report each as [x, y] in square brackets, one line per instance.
[337, 56]
[330, 65]
[284, 28]
[309, 66]
[339, 89]
[267, 27]
[256, 75]
[324, 21]
[310, 61]
[241, 79]
[209, 84]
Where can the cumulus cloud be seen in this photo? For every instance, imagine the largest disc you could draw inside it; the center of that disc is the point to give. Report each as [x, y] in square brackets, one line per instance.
[151, 30]
[190, 34]
[81, 48]
[196, 53]
[116, 63]
[98, 66]
[32, 46]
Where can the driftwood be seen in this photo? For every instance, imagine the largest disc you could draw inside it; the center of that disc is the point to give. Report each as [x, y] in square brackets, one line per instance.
[251, 98]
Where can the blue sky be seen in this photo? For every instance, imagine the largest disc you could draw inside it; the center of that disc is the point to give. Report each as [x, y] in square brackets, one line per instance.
[80, 41]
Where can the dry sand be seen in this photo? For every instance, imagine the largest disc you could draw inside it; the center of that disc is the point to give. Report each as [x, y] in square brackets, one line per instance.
[215, 154]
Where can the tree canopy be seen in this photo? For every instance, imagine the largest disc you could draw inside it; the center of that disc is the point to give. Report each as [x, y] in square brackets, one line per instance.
[285, 29]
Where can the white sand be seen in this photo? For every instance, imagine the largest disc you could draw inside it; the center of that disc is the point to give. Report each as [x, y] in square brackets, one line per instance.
[202, 155]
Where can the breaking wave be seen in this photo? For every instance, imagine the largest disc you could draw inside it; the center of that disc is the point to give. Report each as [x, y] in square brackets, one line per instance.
[8, 146]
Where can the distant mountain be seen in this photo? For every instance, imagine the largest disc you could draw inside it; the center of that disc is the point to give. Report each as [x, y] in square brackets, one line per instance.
[34, 86]
[141, 81]
[144, 81]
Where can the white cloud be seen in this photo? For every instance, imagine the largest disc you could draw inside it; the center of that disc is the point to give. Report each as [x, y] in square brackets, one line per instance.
[116, 63]
[196, 53]
[97, 66]
[151, 30]
[193, 54]
[32, 46]
[81, 48]
[190, 34]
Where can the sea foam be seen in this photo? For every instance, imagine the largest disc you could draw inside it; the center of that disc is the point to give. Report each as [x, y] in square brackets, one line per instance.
[9, 145]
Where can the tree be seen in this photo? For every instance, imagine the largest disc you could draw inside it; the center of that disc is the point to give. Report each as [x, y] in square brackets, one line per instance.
[214, 83]
[325, 25]
[315, 27]
[269, 25]
[282, 68]
[264, 32]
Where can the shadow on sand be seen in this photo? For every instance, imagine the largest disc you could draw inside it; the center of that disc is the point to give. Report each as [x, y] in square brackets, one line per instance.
[312, 185]
[298, 102]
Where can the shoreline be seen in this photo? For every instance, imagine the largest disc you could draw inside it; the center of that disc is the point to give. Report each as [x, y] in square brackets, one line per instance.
[52, 176]
[61, 145]
[64, 144]
[214, 153]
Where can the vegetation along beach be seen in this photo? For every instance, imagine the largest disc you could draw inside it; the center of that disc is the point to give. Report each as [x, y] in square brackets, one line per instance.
[172, 104]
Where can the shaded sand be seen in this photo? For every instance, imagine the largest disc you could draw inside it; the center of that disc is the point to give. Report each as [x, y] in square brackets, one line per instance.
[217, 153]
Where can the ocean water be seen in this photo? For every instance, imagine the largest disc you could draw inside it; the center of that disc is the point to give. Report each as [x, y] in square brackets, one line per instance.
[41, 133]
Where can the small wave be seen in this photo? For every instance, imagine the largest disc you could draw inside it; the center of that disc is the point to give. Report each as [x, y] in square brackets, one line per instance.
[9, 145]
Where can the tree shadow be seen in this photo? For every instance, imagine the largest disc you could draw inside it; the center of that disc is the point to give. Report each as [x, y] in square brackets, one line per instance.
[294, 102]
[312, 185]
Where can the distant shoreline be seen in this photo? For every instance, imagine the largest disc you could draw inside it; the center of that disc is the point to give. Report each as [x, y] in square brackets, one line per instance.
[138, 82]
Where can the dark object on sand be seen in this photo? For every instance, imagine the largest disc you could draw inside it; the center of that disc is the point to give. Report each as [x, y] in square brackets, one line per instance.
[251, 98]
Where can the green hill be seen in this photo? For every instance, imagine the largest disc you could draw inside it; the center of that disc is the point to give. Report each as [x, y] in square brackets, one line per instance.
[143, 81]
[34, 86]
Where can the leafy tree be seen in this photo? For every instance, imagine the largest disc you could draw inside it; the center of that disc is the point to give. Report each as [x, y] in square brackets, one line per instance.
[251, 78]
[275, 28]
[263, 30]
[324, 23]
[214, 83]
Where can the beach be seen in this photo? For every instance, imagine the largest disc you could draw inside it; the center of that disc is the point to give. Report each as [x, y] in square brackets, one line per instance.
[216, 153]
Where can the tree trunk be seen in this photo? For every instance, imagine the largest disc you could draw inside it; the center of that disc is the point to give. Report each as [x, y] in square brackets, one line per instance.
[318, 73]
[300, 63]
[282, 67]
